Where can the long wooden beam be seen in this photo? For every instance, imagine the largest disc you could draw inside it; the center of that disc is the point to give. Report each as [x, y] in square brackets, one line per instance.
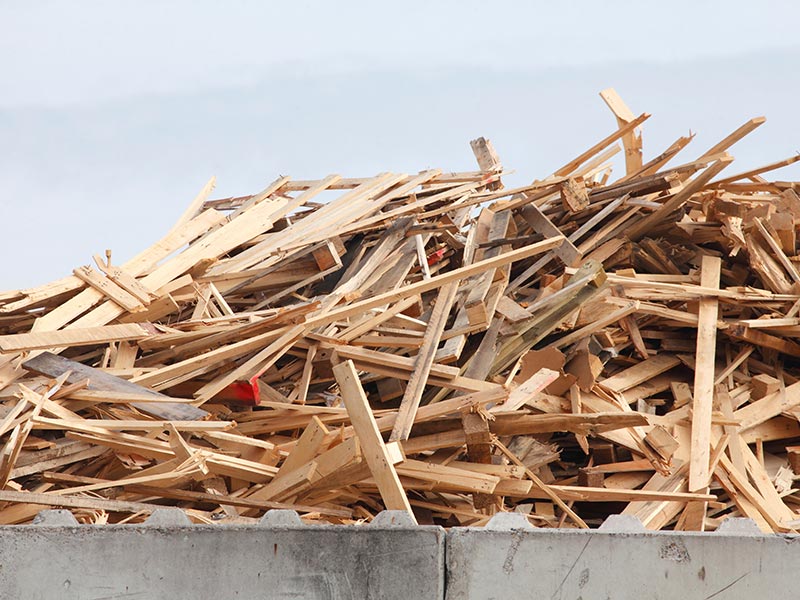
[702, 402]
[375, 452]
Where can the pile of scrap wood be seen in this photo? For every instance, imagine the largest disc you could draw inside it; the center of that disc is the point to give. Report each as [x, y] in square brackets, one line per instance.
[435, 343]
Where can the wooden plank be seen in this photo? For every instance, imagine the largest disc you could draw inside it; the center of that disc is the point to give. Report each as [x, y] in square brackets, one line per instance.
[375, 452]
[584, 332]
[128, 283]
[73, 337]
[54, 461]
[108, 288]
[328, 219]
[742, 485]
[640, 372]
[446, 478]
[778, 251]
[677, 200]
[435, 282]
[10, 453]
[604, 143]
[527, 390]
[162, 406]
[210, 358]
[703, 398]
[254, 367]
[81, 502]
[758, 337]
[485, 154]
[307, 447]
[567, 251]
[67, 312]
[48, 423]
[217, 242]
[631, 140]
[744, 504]
[369, 358]
[423, 363]
[196, 206]
[758, 171]
[748, 127]
[199, 496]
[477, 304]
[589, 494]
[766, 408]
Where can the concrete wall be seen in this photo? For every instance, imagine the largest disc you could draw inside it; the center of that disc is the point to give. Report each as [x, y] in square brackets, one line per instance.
[620, 561]
[168, 557]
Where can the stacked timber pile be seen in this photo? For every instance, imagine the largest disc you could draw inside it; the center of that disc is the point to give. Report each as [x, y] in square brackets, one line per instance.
[435, 343]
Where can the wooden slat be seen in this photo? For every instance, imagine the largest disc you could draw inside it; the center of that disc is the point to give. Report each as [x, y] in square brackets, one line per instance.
[162, 406]
[73, 337]
[67, 312]
[631, 141]
[677, 200]
[640, 372]
[83, 502]
[423, 363]
[703, 397]
[109, 289]
[375, 452]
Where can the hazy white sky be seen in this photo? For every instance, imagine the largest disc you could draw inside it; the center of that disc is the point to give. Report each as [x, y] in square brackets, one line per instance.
[89, 51]
[113, 114]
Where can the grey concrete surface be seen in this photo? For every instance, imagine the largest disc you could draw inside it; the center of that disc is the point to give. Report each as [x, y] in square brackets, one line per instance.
[168, 558]
[509, 561]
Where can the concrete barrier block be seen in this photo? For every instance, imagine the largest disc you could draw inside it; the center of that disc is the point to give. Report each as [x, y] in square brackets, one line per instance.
[601, 564]
[222, 561]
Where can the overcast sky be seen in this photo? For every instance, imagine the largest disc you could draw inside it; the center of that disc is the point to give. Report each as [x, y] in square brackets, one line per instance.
[114, 114]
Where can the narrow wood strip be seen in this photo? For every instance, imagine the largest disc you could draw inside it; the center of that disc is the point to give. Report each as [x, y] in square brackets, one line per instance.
[377, 456]
[423, 363]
